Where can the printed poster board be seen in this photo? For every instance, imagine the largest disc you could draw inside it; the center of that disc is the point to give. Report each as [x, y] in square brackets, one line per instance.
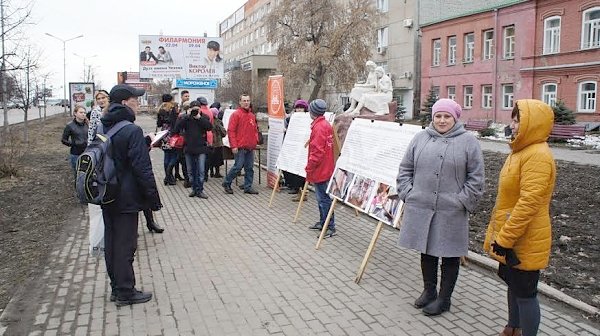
[226, 116]
[188, 57]
[81, 94]
[365, 174]
[276, 112]
[294, 154]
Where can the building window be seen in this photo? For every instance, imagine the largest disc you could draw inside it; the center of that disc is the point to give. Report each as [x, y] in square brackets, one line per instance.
[549, 93]
[488, 44]
[451, 50]
[437, 52]
[552, 35]
[469, 47]
[468, 97]
[452, 92]
[486, 96]
[509, 42]
[587, 97]
[507, 96]
[382, 37]
[382, 5]
[436, 91]
[591, 29]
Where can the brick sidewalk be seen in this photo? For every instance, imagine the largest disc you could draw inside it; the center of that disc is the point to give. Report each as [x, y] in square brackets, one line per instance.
[230, 265]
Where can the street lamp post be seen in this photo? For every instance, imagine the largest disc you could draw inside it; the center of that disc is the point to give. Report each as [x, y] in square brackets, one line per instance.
[64, 42]
[84, 58]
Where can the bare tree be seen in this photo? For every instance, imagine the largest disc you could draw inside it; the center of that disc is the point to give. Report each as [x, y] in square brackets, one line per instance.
[25, 78]
[322, 39]
[233, 85]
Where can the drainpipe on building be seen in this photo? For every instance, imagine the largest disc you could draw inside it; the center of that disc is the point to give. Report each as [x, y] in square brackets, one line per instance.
[495, 71]
[417, 67]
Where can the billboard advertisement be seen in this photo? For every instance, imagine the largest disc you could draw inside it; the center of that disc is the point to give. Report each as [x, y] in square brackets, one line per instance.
[133, 79]
[178, 57]
[81, 94]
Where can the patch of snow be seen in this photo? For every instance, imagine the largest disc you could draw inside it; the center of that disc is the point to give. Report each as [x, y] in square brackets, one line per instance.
[592, 141]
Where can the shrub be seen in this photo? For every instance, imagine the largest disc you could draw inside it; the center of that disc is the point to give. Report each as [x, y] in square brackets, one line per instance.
[487, 132]
[562, 114]
[11, 154]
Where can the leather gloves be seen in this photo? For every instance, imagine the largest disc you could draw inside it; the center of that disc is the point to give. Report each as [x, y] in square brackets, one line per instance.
[509, 255]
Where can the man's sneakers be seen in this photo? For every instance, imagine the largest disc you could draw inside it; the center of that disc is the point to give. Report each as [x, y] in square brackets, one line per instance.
[227, 188]
[136, 297]
[329, 233]
[192, 194]
[316, 226]
[202, 195]
[251, 191]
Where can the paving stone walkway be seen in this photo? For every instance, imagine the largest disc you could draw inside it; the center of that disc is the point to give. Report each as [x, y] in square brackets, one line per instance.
[230, 265]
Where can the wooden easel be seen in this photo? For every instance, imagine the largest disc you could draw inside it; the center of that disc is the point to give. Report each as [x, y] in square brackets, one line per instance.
[367, 256]
[275, 187]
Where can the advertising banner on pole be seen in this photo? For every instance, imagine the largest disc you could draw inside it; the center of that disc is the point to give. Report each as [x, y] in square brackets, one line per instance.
[187, 57]
[276, 111]
[133, 79]
[81, 94]
[365, 174]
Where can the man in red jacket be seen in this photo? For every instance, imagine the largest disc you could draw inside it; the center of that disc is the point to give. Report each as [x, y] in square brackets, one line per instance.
[243, 138]
[320, 165]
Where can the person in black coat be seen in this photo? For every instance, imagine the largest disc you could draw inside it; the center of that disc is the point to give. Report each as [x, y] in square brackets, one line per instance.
[137, 192]
[75, 135]
[194, 128]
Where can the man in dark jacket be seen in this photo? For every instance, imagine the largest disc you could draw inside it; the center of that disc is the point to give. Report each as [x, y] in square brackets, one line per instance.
[194, 127]
[75, 135]
[137, 191]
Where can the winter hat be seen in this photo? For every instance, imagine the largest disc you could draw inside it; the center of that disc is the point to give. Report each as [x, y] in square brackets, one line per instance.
[216, 105]
[202, 100]
[318, 107]
[214, 111]
[123, 92]
[195, 103]
[166, 98]
[447, 105]
[301, 103]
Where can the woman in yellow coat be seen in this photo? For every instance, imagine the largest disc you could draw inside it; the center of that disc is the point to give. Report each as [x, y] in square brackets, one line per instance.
[519, 234]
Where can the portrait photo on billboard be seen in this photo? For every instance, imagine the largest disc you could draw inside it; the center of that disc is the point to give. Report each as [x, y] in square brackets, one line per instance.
[385, 204]
[360, 192]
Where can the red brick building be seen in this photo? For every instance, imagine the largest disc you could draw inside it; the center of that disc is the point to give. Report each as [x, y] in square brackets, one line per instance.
[567, 56]
[544, 49]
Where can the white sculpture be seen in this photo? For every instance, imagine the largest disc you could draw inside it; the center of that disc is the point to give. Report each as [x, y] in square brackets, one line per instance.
[361, 88]
[378, 100]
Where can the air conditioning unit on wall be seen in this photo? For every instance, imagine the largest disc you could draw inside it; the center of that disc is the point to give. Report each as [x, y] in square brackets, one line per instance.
[407, 23]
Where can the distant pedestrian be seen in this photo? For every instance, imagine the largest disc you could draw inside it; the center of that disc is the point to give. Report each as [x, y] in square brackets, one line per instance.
[440, 180]
[165, 121]
[519, 235]
[243, 139]
[137, 192]
[194, 128]
[219, 132]
[75, 135]
[320, 165]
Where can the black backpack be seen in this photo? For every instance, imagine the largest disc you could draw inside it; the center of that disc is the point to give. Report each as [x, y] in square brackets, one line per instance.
[96, 177]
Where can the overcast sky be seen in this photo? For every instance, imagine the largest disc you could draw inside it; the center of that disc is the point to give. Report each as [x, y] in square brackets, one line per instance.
[111, 29]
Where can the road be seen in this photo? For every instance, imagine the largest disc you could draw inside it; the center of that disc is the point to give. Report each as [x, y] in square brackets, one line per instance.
[16, 115]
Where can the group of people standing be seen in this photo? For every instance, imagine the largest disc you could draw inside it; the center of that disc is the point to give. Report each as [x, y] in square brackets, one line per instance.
[441, 180]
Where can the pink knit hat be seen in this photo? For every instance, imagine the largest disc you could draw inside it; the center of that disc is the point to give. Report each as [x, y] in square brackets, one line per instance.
[447, 105]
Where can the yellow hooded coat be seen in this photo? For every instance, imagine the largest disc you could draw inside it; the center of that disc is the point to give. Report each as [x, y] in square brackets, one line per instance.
[521, 217]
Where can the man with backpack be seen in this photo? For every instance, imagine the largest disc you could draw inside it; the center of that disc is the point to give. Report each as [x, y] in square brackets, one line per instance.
[137, 191]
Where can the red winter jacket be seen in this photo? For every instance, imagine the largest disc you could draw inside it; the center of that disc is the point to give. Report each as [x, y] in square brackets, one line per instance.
[320, 165]
[242, 130]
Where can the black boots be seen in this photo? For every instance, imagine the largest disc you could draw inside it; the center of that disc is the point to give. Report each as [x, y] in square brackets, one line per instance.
[154, 227]
[429, 267]
[450, 267]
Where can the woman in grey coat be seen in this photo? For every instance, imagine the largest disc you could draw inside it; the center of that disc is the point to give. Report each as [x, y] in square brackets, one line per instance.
[441, 180]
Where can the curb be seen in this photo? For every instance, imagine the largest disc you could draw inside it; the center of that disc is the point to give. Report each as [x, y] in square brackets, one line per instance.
[543, 288]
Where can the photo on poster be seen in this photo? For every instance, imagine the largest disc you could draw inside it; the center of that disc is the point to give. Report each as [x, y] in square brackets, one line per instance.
[340, 183]
[360, 192]
[384, 205]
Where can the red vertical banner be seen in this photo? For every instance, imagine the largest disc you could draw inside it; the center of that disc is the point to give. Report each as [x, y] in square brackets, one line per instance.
[276, 112]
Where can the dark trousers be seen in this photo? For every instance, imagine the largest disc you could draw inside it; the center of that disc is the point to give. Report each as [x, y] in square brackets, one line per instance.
[120, 243]
[293, 181]
[181, 161]
[169, 163]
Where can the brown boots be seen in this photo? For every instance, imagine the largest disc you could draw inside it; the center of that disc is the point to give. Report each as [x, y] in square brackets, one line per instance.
[510, 331]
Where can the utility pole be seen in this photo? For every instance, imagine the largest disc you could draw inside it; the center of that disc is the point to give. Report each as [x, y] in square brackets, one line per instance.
[3, 72]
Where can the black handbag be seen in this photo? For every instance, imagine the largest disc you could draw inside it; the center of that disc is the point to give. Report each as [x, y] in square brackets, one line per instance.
[261, 140]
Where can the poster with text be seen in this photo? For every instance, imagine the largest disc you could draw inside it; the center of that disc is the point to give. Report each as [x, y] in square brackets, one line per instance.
[294, 152]
[365, 173]
[81, 94]
[187, 57]
[276, 112]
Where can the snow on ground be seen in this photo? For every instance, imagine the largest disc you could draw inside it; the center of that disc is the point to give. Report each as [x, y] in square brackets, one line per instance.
[590, 141]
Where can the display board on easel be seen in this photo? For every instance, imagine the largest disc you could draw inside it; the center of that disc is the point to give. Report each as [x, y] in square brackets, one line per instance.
[365, 174]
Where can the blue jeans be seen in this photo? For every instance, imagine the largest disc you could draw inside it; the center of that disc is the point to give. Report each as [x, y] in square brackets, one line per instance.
[195, 165]
[73, 160]
[324, 202]
[169, 163]
[243, 159]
